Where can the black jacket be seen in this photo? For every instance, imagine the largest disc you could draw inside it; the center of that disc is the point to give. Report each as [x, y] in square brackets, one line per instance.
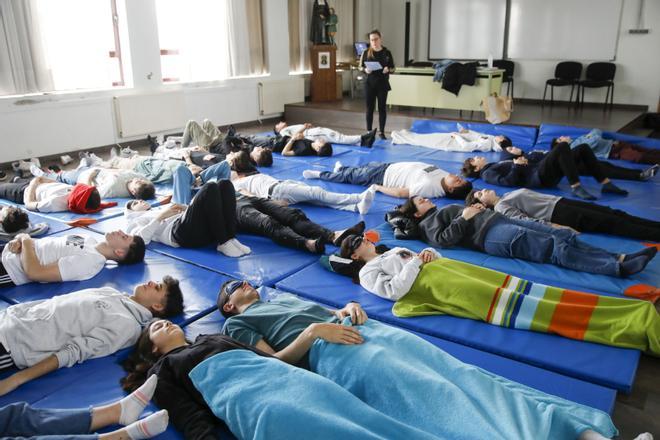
[507, 173]
[457, 75]
[176, 393]
[446, 227]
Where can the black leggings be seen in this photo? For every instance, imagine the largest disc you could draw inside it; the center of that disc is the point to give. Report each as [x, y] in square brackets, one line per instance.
[562, 161]
[590, 217]
[372, 94]
[210, 218]
[13, 191]
[614, 171]
[286, 226]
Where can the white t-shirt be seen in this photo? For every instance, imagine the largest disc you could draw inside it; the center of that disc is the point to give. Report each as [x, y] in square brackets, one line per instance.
[420, 178]
[52, 197]
[291, 130]
[110, 183]
[76, 257]
[257, 184]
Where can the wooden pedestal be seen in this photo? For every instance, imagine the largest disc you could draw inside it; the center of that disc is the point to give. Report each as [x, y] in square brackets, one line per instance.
[323, 85]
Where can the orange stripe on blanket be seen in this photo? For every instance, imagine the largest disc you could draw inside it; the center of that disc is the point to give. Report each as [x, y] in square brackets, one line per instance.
[493, 303]
[643, 291]
[572, 314]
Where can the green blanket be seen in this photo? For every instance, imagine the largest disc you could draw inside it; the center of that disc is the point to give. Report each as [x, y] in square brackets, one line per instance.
[455, 288]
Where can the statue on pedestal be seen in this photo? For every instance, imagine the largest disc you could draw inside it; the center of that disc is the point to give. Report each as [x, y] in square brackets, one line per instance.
[331, 26]
[320, 13]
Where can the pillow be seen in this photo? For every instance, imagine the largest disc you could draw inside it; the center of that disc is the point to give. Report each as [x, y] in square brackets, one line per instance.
[342, 266]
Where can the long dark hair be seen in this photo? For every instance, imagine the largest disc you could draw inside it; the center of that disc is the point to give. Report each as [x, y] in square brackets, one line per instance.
[370, 51]
[140, 361]
[354, 269]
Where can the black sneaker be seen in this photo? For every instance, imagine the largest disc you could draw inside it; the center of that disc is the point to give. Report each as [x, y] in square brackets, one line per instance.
[368, 139]
[382, 136]
[231, 131]
[3, 175]
[152, 144]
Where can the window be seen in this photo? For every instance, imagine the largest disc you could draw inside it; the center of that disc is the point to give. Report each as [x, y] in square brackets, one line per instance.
[206, 40]
[71, 44]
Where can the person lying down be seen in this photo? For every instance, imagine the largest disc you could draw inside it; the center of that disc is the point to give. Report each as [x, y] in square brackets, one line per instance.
[462, 140]
[429, 284]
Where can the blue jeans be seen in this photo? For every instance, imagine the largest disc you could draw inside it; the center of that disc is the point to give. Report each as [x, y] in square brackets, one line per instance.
[184, 180]
[540, 243]
[21, 420]
[365, 175]
[70, 177]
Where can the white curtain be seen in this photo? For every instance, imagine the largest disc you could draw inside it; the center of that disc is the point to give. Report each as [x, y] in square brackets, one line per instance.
[345, 36]
[23, 67]
[245, 37]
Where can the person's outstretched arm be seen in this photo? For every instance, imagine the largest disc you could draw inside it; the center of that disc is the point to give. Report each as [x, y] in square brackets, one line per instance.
[19, 378]
[402, 193]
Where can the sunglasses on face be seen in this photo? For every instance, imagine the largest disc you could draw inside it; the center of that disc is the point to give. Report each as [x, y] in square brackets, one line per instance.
[355, 242]
[233, 287]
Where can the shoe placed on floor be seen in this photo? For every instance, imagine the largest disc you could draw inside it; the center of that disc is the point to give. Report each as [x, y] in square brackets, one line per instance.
[582, 193]
[311, 174]
[356, 229]
[611, 188]
[382, 136]
[36, 171]
[152, 144]
[338, 167]
[3, 176]
[231, 131]
[95, 159]
[648, 173]
[36, 162]
[66, 159]
[368, 139]
[127, 152]
[83, 155]
[113, 152]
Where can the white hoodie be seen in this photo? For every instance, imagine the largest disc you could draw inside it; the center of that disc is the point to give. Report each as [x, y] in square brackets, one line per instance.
[392, 274]
[74, 327]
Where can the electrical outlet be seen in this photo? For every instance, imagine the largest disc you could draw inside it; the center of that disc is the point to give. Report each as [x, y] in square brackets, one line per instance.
[638, 31]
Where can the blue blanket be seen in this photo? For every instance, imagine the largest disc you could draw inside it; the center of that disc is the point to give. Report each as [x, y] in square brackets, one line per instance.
[264, 398]
[410, 379]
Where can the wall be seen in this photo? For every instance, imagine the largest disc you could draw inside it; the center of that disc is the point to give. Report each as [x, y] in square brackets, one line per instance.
[638, 60]
[55, 123]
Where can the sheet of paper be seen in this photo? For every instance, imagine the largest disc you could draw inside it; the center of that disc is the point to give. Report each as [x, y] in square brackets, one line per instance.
[373, 65]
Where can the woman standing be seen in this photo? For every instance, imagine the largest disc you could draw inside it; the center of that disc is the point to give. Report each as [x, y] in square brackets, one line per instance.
[378, 79]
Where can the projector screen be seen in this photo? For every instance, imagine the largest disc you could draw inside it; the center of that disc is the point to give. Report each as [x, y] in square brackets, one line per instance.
[466, 29]
[564, 29]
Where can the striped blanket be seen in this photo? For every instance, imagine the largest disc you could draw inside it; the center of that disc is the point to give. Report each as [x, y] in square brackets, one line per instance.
[461, 289]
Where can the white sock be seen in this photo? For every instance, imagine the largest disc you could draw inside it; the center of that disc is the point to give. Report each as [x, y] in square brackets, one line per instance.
[338, 166]
[150, 426]
[246, 250]
[364, 205]
[133, 404]
[229, 250]
[591, 435]
[644, 436]
[36, 171]
[311, 174]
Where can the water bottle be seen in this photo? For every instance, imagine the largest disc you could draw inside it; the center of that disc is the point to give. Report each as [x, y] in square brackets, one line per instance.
[490, 60]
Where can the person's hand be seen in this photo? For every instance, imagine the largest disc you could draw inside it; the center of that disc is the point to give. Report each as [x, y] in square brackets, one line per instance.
[564, 139]
[472, 210]
[209, 157]
[194, 169]
[355, 311]
[337, 333]
[15, 246]
[8, 385]
[520, 161]
[196, 148]
[298, 136]
[514, 150]
[386, 69]
[427, 255]
[367, 70]
[186, 154]
[377, 188]
[280, 202]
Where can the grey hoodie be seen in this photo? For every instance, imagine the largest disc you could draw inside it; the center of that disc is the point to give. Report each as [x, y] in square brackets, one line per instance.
[74, 327]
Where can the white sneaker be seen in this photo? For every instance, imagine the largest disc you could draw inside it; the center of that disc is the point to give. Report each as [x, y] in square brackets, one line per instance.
[36, 171]
[95, 159]
[229, 250]
[66, 159]
[127, 152]
[311, 174]
[338, 166]
[36, 162]
[113, 152]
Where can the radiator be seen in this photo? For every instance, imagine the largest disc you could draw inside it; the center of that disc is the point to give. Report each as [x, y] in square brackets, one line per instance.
[144, 114]
[274, 94]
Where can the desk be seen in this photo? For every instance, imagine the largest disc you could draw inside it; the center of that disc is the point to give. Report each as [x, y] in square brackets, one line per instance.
[414, 87]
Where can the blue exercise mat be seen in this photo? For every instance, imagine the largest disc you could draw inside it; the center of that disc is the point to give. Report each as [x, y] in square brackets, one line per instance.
[521, 136]
[547, 132]
[569, 388]
[199, 286]
[54, 226]
[608, 366]
[267, 263]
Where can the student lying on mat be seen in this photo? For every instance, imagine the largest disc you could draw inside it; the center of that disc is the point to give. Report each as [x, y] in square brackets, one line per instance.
[210, 219]
[45, 195]
[463, 140]
[428, 284]
[217, 379]
[292, 191]
[259, 156]
[311, 133]
[23, 420]
[525, 204]
[81, 325]
[612, 149]
[412, 381]
[485, 230]
[546, 169]
[401, 179]
[14, 221]
[287, 226]
[67, 258]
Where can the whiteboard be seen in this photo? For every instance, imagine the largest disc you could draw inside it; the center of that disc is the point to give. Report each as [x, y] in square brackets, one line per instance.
[564, 29]
[466, 29]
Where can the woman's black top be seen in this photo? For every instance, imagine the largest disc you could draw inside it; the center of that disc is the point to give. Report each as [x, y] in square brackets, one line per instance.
[377, 79]
[176, 393]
